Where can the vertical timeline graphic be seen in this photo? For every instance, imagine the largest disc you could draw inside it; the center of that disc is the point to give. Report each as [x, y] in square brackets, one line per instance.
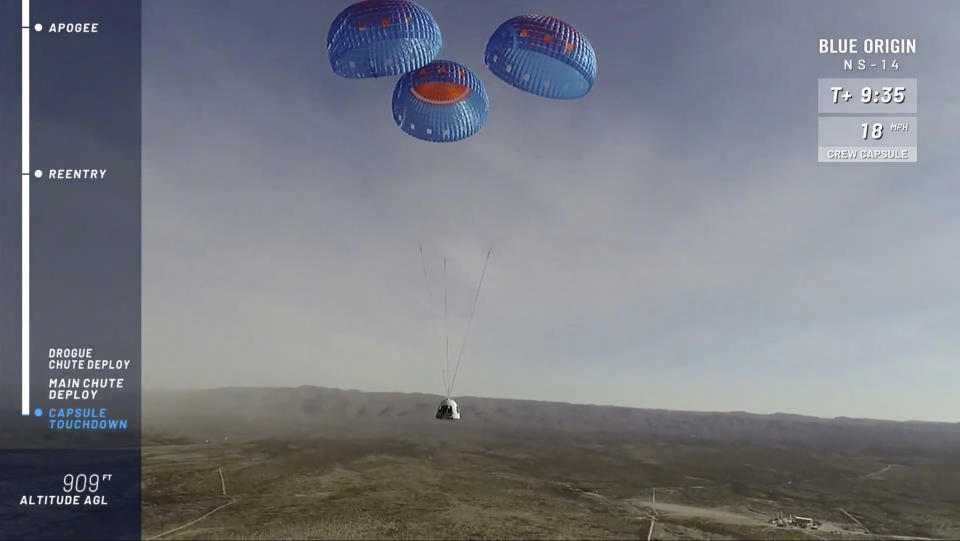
[25, 30]
[70, 457]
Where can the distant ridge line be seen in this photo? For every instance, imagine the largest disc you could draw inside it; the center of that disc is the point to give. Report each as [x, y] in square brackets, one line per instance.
[774, 415]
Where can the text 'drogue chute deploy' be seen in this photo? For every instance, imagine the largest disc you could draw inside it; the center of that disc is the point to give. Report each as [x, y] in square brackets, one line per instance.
[441, 102]
[378, 38]
[542, 55]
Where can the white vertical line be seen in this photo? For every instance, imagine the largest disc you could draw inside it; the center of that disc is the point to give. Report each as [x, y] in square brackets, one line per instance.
[25, 209]
[223, 483]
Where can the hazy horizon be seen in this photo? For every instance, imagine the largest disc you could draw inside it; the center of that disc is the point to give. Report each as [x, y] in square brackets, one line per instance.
[464, 400]
[667, 242]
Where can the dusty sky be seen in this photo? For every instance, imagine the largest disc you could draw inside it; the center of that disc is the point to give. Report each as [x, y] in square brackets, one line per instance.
[669, 241]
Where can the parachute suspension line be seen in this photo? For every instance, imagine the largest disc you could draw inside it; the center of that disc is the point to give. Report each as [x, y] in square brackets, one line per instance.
[446, 334]
[473, 312]
[426, 279]
[429, 290]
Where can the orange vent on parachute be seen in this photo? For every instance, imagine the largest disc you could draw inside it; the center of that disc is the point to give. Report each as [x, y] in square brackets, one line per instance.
[440, 93]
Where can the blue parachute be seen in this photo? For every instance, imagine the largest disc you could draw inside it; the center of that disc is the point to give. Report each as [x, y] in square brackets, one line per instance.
[377, 38]
[441, 102]
[542, 55]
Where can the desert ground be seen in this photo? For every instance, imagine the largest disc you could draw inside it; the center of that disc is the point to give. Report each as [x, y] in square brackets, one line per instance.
[313, 463]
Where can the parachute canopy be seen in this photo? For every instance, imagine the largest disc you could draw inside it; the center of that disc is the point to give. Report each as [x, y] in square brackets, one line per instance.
[441, 102]
[377, 38]
[542, 55]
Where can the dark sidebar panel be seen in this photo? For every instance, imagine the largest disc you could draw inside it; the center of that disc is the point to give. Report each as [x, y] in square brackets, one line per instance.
[70, 432]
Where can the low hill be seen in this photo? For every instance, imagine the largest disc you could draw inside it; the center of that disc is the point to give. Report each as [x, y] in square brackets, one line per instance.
[256, 412]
